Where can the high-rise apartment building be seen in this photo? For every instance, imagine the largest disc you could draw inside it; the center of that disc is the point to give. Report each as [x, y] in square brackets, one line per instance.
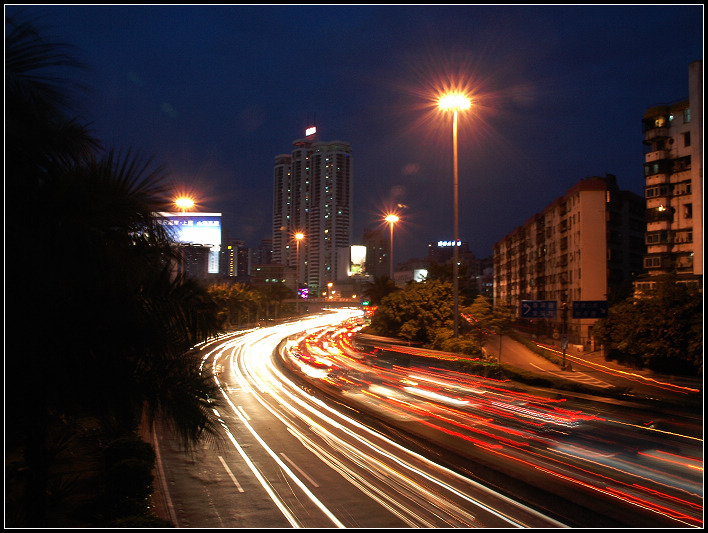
[312, 194]
[673, 169]
[579, 248]
[235, 260]
[377, 258]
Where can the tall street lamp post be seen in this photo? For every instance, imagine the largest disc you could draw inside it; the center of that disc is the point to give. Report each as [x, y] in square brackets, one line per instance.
[298, 237]
[391, 219]
[455, 102]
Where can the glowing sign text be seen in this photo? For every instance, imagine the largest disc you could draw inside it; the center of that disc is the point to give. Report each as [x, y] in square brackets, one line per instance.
[443, 244]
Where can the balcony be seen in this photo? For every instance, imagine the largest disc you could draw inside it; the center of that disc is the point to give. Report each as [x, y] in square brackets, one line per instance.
[660, 214]
[658, 155]
[659, 166]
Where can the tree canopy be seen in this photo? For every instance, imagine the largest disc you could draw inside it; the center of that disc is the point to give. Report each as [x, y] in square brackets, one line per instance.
[663, 330]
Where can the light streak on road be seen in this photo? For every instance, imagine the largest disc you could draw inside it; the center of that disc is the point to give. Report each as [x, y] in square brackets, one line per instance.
[584, 453]
[529, 431]
[418, 491]
[629, 375]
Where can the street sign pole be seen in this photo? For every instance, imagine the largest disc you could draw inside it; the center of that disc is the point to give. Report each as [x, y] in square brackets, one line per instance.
[564, 335]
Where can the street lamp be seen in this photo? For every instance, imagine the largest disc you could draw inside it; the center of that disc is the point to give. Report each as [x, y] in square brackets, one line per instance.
[391, 219]
[298, 237]
[454, 102]
[184, 203]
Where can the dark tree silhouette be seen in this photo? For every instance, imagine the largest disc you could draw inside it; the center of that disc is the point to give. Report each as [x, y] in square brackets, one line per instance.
[101, 329]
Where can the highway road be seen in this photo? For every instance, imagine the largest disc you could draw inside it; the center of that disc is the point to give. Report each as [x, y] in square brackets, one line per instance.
[290, 459]
[392, 446]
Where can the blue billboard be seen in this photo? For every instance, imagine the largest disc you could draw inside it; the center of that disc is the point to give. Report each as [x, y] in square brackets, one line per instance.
[200, 229]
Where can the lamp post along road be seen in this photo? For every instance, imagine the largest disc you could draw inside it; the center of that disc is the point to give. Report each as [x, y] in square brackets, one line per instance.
[298, 238]
[391, 219]
[455, 102]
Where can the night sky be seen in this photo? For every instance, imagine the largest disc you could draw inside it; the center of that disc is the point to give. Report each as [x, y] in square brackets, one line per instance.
[214, 93]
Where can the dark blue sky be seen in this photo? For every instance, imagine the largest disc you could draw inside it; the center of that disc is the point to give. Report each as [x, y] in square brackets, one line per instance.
[216, 92]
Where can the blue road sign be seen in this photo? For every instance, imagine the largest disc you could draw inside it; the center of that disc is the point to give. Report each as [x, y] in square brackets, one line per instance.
[538, 308]
[590, 309]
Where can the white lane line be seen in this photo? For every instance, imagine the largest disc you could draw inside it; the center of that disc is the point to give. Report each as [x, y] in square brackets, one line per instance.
[231, 475]
[303, 474]
[283, 508]
[163, 481]
[251, 465]
[541, 369]
[282, 465]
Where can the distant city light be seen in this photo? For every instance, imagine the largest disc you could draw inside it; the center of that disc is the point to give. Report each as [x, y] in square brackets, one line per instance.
[310, 131]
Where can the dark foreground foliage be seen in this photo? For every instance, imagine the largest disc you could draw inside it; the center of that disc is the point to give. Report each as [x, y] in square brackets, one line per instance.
[99, 328]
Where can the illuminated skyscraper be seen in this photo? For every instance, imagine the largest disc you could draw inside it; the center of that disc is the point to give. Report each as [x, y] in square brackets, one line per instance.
[312, 194]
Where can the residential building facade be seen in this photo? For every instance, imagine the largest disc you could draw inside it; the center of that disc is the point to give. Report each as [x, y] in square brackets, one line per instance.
[673, 169]
[576, 249]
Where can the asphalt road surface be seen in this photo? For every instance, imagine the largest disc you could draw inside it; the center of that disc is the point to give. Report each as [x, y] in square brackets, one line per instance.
[289, 460]
[291, 456]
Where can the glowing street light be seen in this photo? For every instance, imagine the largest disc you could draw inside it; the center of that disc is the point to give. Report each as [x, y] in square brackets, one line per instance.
[298, 237]
[455, 102]
[391, 219]
[184, 203]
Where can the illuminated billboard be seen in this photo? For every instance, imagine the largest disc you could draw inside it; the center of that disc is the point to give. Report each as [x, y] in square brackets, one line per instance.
[194, 228]
[358, 259]
[201, 229]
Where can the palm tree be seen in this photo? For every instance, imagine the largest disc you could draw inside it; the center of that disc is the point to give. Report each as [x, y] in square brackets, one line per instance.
[40, 135]
[95, 279]
[39, 141]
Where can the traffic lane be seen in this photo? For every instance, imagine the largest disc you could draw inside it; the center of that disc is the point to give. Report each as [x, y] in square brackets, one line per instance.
[410, 494]
[210, 487]
[277, 448]
[395, 470]
[363, 471]
[568, 466]
[516, 354]
[644, 382]
[424, 416]
[488, 504]
[308, 492]
[591, 368]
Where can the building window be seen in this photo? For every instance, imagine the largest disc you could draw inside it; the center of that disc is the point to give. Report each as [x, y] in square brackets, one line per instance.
[656, 190]
[657, 237]
[682, 163]
[682, 188]
[657, 167]
[687, 138]
[687, 115]
[652, 262]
